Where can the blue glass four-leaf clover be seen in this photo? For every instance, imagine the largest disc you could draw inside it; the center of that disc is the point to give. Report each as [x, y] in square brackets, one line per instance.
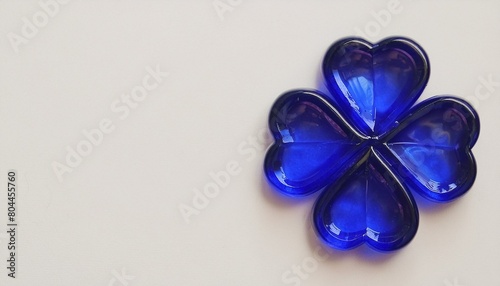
[367, 148]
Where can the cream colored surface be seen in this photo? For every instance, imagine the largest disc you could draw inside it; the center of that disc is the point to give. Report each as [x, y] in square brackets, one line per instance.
[115, 219]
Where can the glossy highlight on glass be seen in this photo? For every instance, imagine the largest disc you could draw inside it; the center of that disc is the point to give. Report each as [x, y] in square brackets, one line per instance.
[367, 147]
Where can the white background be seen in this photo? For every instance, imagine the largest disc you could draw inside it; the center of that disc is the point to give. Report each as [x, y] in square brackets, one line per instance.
[118, 210]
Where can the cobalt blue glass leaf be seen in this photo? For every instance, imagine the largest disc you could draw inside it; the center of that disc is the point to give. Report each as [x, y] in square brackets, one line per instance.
[310, 135]
[433, 145]
[367, 148]
[370, 205]
[374, 84]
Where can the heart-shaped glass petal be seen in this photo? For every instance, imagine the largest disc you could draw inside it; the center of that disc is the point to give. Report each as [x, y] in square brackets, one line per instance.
[371, 205]
[433, 146]
[310, 135]
[374, 84]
